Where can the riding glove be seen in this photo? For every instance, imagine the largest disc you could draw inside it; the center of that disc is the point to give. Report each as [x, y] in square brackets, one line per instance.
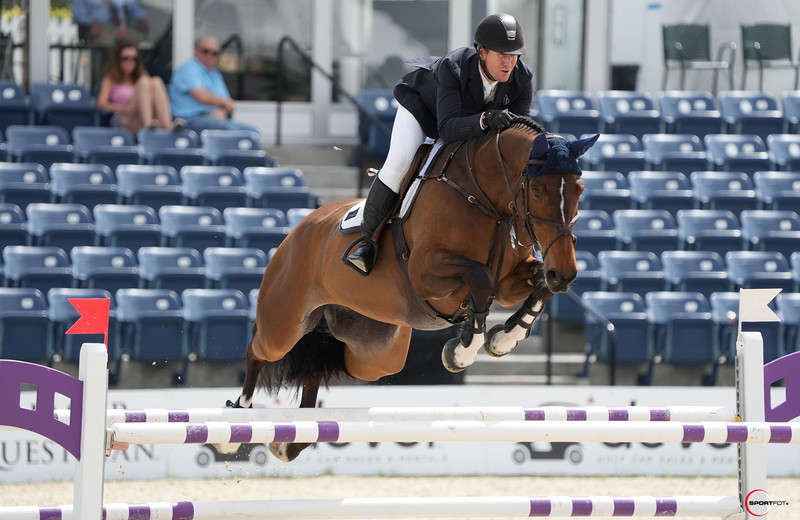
[498, 120]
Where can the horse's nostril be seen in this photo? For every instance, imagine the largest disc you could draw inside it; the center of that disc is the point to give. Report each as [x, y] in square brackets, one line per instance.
[554, 277]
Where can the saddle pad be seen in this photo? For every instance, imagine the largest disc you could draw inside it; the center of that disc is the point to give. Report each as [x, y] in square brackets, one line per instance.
[352, 219]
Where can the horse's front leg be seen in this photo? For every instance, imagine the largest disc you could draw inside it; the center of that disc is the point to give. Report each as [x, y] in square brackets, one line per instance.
[527, 278]
[446, 273]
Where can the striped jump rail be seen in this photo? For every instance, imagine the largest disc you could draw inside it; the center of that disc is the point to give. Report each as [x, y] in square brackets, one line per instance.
[451, 431]
[412, 507]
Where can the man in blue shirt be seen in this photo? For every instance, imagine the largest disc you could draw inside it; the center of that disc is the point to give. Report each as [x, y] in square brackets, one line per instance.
[198, 93]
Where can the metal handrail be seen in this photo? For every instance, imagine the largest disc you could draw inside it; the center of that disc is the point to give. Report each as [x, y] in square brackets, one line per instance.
[287, 40]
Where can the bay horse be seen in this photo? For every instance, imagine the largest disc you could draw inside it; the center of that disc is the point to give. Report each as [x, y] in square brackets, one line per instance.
[468, 241]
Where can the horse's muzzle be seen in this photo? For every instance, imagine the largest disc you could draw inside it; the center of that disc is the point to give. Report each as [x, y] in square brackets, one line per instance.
[557, 281]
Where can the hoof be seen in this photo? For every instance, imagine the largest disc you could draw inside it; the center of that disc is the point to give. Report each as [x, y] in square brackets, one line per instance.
[227, 448]
[449, 356]
[279, 451]
[490, 347]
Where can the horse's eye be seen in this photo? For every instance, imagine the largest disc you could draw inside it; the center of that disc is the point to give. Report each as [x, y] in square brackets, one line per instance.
[536, 193]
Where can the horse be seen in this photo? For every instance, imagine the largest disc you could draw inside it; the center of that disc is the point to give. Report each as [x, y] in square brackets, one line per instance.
[468, 241]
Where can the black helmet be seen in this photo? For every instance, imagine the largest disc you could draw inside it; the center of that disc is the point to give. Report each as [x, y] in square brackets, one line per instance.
[500, 33]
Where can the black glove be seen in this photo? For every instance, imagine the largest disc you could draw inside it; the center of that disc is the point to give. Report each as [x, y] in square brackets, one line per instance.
[498, 120]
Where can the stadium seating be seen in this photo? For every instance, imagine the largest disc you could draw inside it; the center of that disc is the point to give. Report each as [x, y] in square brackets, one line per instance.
[788, 305]
[768, 45]
[699, 271]
[666, 190]
[689, 112]
[151, 325]
[14, 106]
[59, 225]
[12, 226]
[149, 185]
[709, 230]
[683, 332]
[24, 326]
[741, 152]
[197, 227]
[381, 105]
[104, 145]
[238, 148]
[215, 186]
[759, 270]
[778, 190]
[605, 191]
[295, 215]
[24, 183]
[38, 267]
[61, 315]
[615, 152]
[126, 225]
[674, 152]
[784, 151]
[234, 268]
[631, 271]
[628, 112]
[87, 184]
[725, 316]
[568, 111]
[279, 188]
[173, 268]
[733, 191]
[562, 308]
[595, 231]
[790, 103]
[218, 325]
[627, 312]
[261, 228]
[771, 230]
[40, 144]
[107, 268]
[169, 147]
[64, 105]
[751, 112]
[646, 230]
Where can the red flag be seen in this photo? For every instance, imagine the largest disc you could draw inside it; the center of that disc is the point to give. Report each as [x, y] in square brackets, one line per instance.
[94, 316]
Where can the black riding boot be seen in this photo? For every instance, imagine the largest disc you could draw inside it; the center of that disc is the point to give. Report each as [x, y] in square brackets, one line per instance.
[381, 200]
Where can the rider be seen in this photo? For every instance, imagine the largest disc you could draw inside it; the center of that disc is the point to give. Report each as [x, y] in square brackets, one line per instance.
[454, 98]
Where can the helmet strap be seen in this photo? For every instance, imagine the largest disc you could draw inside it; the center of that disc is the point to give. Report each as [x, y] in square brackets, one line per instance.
[484, 69]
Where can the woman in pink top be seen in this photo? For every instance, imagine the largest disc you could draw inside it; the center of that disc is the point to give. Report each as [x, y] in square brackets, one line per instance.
[135, 99]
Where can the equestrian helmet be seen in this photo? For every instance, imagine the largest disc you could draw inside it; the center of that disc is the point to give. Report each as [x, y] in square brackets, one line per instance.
[500, 33]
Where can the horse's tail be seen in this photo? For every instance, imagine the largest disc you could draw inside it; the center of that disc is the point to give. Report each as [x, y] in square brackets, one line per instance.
[313, 361]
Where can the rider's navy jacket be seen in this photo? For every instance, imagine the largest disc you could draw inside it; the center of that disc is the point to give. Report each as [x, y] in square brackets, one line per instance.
[446, 94]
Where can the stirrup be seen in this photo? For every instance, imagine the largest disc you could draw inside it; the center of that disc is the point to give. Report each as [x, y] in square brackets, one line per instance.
[346, 260]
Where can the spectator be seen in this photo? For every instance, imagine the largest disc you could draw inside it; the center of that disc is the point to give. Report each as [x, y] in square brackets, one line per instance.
[133, 97]
[102, 22]
[198, 92]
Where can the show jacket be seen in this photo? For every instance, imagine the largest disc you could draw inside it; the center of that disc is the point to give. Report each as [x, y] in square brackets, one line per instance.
[446, 94]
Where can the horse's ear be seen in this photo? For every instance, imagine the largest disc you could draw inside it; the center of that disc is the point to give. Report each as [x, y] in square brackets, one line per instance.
[580, 146]
[540, 146]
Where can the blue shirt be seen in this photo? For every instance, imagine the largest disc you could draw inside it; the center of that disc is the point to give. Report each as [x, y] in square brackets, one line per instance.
[85, 11]
[193, 74]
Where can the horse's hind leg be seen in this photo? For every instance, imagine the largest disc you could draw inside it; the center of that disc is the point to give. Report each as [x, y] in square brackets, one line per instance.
[253, 369]
[288, 451]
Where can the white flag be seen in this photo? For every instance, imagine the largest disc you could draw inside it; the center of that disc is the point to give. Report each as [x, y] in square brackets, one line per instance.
[753, 305]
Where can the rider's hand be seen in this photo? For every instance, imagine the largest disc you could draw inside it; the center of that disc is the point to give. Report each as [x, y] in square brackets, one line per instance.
[498, 120]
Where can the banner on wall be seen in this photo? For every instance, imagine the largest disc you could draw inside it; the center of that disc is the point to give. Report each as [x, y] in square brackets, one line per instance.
[28, 457]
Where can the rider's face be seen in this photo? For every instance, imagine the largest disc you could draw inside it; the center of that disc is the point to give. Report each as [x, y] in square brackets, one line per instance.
[499, 65]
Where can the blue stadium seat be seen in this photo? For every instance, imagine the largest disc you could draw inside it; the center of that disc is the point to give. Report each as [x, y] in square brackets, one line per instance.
[725, 316]
[12, 226]
[714, 230]
[24, 326]
[169, 147]
[788, 305]
[107, 268]
[646, 230]
[87, 184]
[794, 264]
[733, 191]
[14, 106]
[173, 268]
[280, 188]
[699, 271]
[238, 148]
[759, 270]
[790, 103]
[627, 312]
[568, 111]
[605, 191]
[42, 144]
[60, 225]
[261, 228]
[778, 190]
[61, 315]
[218, 324]
[615, 152]
[295, 215]
[689, 112]
[197, 227]
[126, 225]
[64, 105]
[562, 308]
[784, 151]
[24, 183]
[149, 185]
[683, 334]
[382, 105]
[104, 145]
[234, 268]
[771, 230]
[38, 267]
[674, 152]
[628, 112]
[667, 190]
[737, 153]
[151, 325]
[252, 298]
[595, 231]
[631, 271]
[216, 186]
[751, 112]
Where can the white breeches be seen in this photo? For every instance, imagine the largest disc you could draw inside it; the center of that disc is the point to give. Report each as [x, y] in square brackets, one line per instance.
[407, 136]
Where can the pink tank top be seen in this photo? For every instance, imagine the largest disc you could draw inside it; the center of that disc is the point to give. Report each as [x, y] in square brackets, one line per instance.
[120, 93]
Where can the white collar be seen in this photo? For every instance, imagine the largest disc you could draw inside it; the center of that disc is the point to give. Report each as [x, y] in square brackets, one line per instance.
[488, 86]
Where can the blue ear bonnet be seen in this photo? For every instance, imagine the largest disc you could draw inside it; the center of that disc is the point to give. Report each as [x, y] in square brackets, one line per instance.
[552, 153]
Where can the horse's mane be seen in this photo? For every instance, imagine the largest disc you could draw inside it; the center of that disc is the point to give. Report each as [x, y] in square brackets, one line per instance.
[526, 123]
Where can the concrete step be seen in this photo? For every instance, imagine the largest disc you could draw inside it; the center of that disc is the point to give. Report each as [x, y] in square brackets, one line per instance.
[482, 379]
